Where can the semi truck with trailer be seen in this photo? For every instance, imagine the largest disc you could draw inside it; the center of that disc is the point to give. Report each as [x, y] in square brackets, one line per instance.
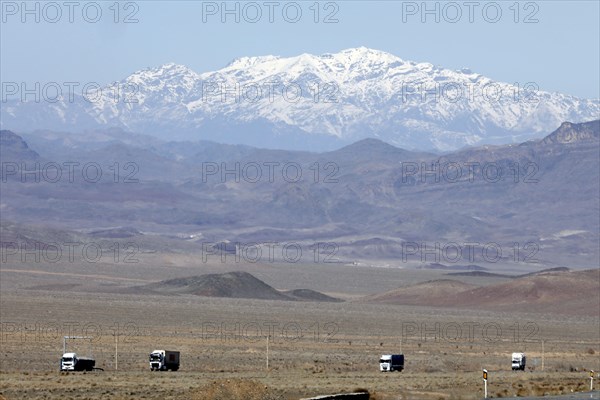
[391, 362]
[72, 362]
[518, 361]
[164, 360]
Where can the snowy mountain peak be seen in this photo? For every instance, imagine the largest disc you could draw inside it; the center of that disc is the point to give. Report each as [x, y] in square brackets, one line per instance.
[165, 77]
[169, 69]
[365, 53]
[318, 102]
[360, 57]
[245, 62]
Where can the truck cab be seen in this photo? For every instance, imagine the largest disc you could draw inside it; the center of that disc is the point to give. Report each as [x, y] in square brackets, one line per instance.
[391, 362]
[163, 360]
[72, 362]
[68, 361]
[518, 361]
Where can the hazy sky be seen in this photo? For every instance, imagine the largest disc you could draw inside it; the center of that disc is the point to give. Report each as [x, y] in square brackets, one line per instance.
[552, 43]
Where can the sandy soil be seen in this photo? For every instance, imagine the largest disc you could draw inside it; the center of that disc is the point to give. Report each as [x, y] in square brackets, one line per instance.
[314, 348]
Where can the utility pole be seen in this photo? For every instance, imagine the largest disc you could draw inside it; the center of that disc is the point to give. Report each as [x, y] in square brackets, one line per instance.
[116, 351]
[268, 352]
[401, 344]
[542, 354]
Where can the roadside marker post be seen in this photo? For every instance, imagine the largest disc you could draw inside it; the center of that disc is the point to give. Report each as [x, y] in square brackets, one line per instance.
[485, 376]
[591, 380]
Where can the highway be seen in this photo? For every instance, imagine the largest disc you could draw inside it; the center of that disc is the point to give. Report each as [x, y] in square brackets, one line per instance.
[573, 396]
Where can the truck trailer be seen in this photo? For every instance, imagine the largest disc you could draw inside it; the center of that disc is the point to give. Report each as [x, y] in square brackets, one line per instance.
[391, 362]
[72, 362]
[518, 361]
[164, 360]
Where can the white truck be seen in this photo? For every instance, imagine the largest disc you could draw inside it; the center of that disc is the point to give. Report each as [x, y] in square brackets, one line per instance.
[518, 361]
[72, 362]
[164, 360]
[391, 362]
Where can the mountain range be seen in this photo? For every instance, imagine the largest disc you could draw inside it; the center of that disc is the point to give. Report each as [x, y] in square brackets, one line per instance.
[539, 200]
[308, 102]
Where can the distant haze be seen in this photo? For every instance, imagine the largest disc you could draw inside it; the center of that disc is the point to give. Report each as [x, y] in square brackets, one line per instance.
[369, 198]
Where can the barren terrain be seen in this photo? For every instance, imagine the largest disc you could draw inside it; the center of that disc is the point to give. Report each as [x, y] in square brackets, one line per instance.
[314, 347]
[285, 290]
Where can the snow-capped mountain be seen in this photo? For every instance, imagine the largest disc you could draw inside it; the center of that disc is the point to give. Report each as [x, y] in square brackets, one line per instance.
[313, 102]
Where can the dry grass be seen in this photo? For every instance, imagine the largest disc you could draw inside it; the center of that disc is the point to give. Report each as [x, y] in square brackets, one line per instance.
[232, 389]
[337, 351]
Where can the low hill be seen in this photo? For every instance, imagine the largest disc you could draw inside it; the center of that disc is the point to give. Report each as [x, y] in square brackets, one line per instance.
[494, 275]
[116, 233]
[480, 274]
[556, 292]
[430, 293]
[545, 271]
[310, 295]
[236, 284]
[232, 284]
[563, 292]
[455, 267]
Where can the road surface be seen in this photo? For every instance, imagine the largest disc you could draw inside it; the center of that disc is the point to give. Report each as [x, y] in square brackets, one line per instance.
[573, 396]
